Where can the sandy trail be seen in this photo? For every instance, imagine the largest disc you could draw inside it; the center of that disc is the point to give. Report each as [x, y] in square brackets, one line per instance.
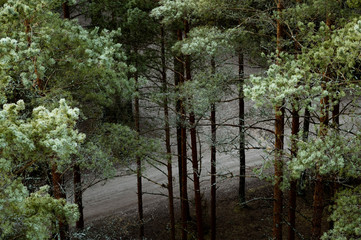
[118, 196]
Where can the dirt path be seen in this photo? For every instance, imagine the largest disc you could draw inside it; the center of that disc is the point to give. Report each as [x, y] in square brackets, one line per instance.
[118, 196]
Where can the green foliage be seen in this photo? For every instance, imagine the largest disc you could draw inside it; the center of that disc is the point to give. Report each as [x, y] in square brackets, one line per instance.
[333, 154]
[114, 145]
[303, 78]
[46, 137]
[42, 54]
[346, 216]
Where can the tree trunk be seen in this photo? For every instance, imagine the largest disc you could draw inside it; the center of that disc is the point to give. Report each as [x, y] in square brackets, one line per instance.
[279, 132]
[318, 204]
[139, 163]
[213, 165]
[318, 201]
[78, 195]
[306, 124]
[193, 132]
[182, 142]
[167, 137]
[317, 208]
[58, 194]
[178, 67]
[242, 147]
[78, 198]
[278, 165]
[293, 187]
[66, 10]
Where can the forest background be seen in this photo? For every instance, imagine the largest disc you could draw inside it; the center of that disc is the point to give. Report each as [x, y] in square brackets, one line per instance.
[77, 101]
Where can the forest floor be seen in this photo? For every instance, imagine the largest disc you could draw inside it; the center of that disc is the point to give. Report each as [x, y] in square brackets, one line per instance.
[252, 221]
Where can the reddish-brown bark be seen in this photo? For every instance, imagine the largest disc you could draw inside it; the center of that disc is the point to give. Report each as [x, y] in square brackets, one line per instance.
[279, 132]
[278, 165]
[293, 186]
[58, 194]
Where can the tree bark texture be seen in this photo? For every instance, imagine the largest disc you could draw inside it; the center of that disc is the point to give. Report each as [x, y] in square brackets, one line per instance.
[58, 194]
[193, 133]
[293, 186]
[279, 133]
[213, 165]
[66, 10]
[139, 164]
[78, 195]
[278, 165]
[182, 142]
[242, 146]
[318, 198]
[167, 138]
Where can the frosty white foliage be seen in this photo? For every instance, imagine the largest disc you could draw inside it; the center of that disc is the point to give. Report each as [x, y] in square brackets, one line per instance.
[47, 136]
[201, 40]
[171, 11]
[346, 215]
[36, 45]
[303, 78]
[331, 154]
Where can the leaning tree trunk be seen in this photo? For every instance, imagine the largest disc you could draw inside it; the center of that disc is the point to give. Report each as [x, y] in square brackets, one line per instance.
[193, 133]
[242, 143]
[213, 165]
[279, 132]
[167, 138]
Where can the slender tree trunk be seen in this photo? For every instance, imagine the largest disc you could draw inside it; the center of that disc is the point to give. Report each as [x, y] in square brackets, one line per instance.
[178, 67]
[78, 198]
[293, 187]
[182, 142]
[213, 165]
[181, 131]
[78, 195]
[242, 146]
[279, 133]
[318, 201]
[278, 165]
[167, 137]
[193, 133]
[58, 194]
[306, 124]
[139, 163]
